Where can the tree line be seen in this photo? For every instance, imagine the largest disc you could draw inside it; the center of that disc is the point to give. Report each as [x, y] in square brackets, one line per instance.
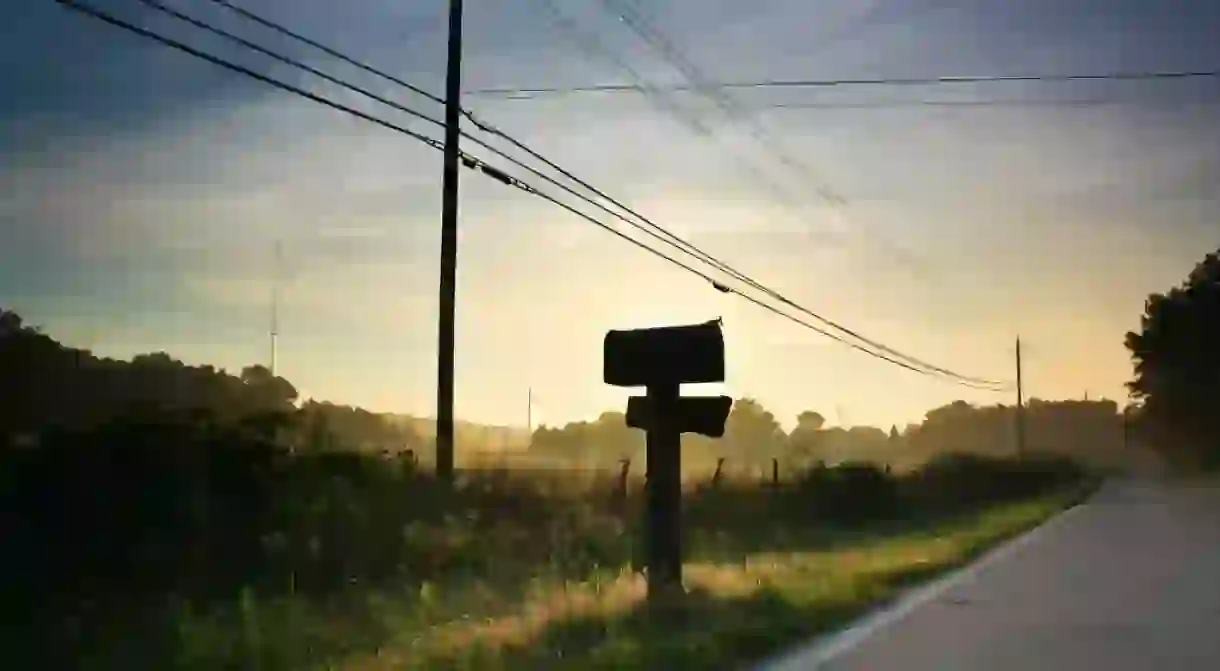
[1088, 430]
[1173, 408]
[47, 387]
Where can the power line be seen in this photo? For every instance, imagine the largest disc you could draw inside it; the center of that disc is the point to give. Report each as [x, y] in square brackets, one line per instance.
[527, 93]
[334, 53]
[833, 336]
[713, 261]
[657, 231]
[896, 104]
[976, 79]
[595, 48]
[629, 13]
[499, 175]
[480, 165]
[669, 237]
[479, 123]
[592, 46]
[266, 23]
[229, 65]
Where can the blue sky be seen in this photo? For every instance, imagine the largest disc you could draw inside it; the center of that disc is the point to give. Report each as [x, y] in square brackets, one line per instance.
[143, 192]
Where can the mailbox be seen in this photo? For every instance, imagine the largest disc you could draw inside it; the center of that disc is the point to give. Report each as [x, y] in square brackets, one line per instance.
[661, 359]
[664, 355]
[704, 415]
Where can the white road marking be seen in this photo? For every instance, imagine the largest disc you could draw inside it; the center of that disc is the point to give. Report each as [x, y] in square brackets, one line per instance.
[822, 650]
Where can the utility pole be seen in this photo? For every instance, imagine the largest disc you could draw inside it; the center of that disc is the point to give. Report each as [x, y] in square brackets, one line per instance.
[449, 222]
[529, 410]
[1126, 416]
[1020, 415]
[274, 333]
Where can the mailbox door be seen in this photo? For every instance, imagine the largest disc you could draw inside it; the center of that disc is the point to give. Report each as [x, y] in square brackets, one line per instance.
[664, 355]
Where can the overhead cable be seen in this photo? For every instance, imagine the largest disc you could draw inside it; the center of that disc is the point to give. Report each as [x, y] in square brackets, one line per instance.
[480, 165]
[653, 229]
[629, 12]
[670, 238]
[1003, 103]
[525, 93]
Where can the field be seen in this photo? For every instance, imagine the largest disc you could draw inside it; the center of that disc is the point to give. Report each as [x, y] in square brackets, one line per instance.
[736, 612]
[215, 555]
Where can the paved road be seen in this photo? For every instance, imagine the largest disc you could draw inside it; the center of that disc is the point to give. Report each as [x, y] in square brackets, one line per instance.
[1129, 580]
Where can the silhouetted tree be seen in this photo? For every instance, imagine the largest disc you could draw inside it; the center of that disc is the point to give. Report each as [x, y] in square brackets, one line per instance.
[1176, 356]
[752, 435]
[810, 421]
[805, 442]
[605, 440]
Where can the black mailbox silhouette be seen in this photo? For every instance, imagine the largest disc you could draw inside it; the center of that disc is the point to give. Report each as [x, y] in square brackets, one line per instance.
[704, 415]
[662, 359]
[664, 355]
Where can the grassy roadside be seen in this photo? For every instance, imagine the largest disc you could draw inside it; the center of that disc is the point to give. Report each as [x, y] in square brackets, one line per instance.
[736, 613]
[511, 571]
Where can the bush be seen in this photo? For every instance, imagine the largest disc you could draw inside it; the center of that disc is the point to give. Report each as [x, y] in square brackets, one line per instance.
[845, 494]
[955, 482]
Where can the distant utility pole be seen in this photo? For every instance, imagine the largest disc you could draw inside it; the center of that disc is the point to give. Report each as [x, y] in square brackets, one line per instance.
[1020, 416]
[449, 222]
[529, 410]
[274, 332]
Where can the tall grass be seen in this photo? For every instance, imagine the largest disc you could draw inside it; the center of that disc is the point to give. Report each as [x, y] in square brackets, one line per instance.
[735, 614]
[162, 546]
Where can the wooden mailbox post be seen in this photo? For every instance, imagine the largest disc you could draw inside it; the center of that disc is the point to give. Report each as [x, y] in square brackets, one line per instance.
[661, 360]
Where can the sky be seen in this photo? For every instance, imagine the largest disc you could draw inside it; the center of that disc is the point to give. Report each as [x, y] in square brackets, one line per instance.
[143, 192]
